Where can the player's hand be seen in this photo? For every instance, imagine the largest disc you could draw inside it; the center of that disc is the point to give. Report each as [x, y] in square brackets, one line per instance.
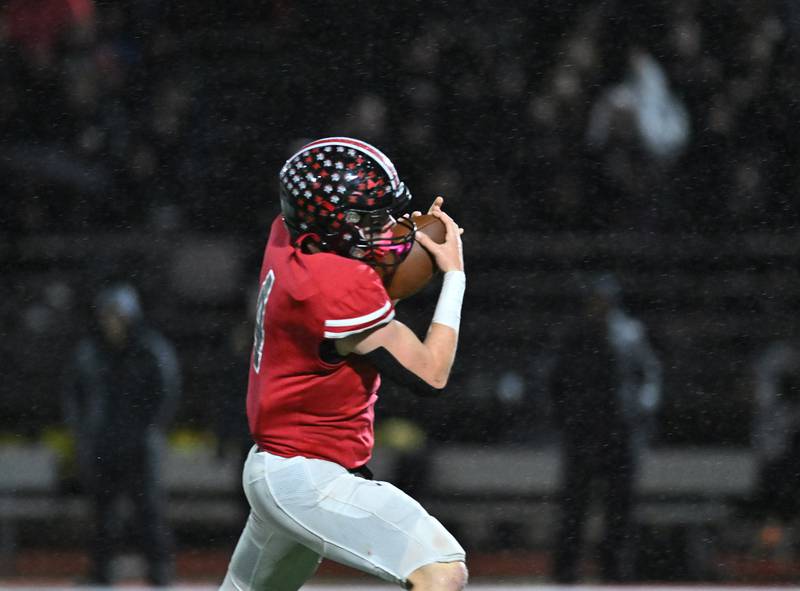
[449, 255]
[435, 206]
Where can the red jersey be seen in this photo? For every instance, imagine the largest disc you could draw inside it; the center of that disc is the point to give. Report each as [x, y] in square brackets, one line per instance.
[297, 403]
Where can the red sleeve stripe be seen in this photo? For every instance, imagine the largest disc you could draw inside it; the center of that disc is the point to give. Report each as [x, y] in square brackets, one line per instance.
[360, 319]
[341, 335]
[355, 329]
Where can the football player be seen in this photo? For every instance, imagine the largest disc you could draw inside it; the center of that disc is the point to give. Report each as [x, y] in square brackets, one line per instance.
[325, 333]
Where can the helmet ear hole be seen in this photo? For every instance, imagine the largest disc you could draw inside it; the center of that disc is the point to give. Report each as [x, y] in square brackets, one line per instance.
[356, 252]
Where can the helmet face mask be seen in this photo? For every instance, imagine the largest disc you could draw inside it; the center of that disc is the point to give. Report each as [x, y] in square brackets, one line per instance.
[386, 247]
[345, 195]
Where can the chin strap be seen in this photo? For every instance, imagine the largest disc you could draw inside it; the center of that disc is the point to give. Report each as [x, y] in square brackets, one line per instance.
[303, 240]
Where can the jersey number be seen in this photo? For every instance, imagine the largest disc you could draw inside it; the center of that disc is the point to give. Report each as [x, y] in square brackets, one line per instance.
[258, 339]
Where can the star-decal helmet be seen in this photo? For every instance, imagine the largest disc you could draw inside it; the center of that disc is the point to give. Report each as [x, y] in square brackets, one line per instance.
[345, 196]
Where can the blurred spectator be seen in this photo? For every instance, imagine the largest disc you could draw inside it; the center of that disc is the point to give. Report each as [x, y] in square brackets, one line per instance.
[643, 105]
[120, 395]
[776, 435]
[149, 113]
[638, 128]
[38, 26]
[143, 106]
[605, 384]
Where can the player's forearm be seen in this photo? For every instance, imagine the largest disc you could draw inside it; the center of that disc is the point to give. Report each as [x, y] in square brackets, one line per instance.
[441, 343]
[430, 360]
[442, 338]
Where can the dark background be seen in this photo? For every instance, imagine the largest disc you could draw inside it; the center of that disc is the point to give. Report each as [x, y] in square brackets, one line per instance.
[141, 140]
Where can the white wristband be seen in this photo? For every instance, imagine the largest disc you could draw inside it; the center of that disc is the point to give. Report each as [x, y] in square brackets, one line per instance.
[448, 308]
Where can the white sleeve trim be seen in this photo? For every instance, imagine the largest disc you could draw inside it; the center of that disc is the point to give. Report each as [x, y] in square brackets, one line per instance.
[340, 335]
[360, 319]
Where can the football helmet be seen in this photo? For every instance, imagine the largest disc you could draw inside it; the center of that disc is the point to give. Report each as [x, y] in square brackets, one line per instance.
[345, 196]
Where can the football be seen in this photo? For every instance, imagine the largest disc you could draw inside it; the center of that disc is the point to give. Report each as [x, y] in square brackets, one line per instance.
[419, 267]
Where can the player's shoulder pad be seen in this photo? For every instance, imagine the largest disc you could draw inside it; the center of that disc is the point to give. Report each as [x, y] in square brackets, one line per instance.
[353, 299]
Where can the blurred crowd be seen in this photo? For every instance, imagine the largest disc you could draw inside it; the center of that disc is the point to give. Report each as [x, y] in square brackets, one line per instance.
[158, 116]
[169, 117]
[664, 116]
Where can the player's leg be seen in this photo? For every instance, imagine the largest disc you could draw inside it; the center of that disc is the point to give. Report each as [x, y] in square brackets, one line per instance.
[267, 560]
[371, 526]
[439, 576]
